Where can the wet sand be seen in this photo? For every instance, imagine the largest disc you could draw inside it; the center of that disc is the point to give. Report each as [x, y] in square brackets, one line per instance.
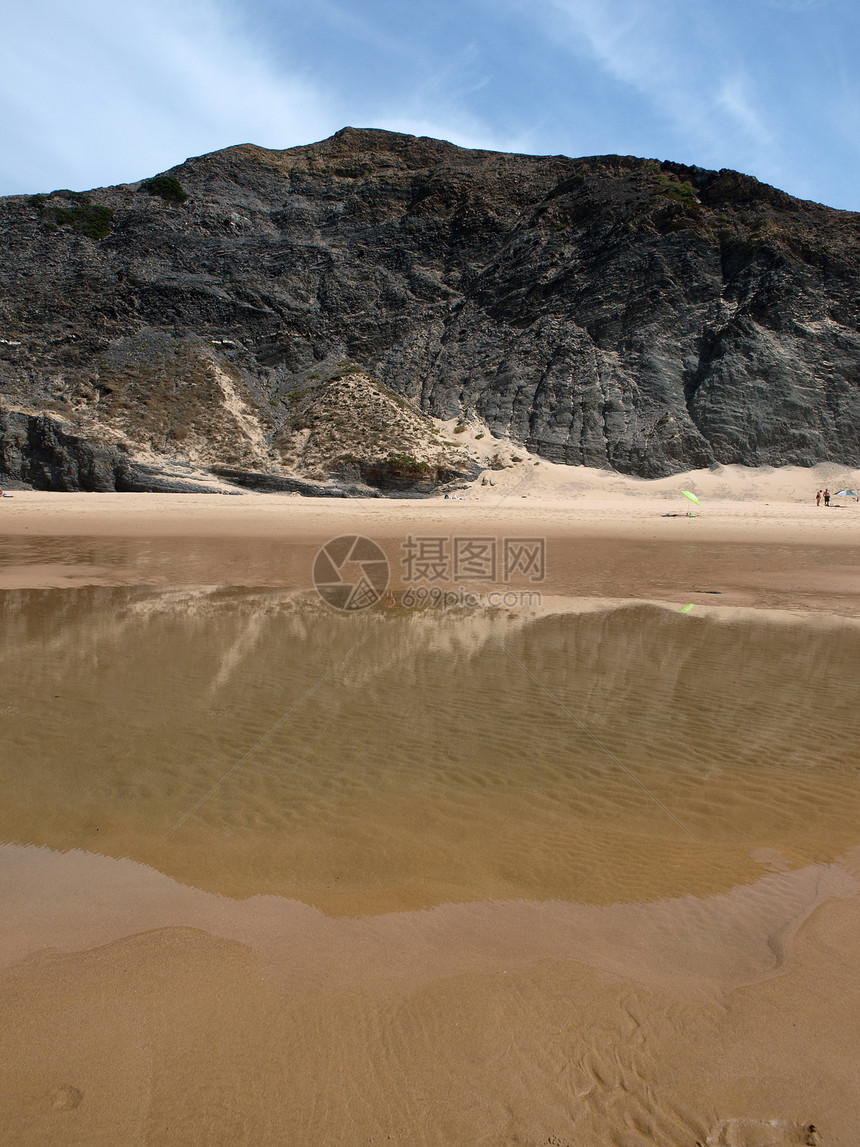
[787, 556]
[572, 874]
[729, 1021]
[401, 759]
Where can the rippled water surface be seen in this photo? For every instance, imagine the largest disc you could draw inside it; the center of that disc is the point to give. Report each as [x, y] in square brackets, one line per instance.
[251, 742]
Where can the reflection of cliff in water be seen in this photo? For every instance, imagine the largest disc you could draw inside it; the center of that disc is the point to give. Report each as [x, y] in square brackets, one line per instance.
[264, 627]
[765, 690]
[413, 757]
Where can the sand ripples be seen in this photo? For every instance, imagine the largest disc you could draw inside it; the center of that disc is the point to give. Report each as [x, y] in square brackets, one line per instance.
[601, 756]
[275, 875]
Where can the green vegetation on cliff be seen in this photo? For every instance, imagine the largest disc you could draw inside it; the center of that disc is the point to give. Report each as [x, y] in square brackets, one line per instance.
[166, 187]
[73, 209]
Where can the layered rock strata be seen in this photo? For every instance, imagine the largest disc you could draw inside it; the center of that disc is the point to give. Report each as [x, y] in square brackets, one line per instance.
[302, 314]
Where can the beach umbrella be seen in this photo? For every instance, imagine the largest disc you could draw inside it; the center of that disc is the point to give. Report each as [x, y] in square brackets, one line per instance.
[692, 497]
[845, 494]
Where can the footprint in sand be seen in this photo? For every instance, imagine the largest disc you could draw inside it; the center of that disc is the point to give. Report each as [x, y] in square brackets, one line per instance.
[67, 1098]
[763, 1133]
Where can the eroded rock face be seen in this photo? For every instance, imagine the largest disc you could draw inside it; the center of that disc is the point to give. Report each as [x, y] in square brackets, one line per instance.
[608, 311]
[39, 451]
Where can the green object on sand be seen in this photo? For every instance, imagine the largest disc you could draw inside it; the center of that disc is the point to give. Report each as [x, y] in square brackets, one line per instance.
[686, 608]
[692, 497]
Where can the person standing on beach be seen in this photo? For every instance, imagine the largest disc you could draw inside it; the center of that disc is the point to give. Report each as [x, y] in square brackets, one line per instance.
[826, 497]
[818, 498]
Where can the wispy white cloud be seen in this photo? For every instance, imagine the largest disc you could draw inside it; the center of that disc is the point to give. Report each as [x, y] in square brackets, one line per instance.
[90, 97]
[439, 104]
[362, 27]
[94, 93]
[461, 130]
[733, 97]
[669, 53]
[767, 86]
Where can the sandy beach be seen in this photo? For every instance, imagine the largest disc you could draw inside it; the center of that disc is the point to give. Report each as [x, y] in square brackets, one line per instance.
[448, 952]
[756, 539]
[737, 504]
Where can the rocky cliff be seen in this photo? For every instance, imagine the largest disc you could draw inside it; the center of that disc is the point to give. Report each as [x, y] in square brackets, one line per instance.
[307, 312]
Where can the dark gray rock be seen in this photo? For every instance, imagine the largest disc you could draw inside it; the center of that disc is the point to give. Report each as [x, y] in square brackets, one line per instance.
[280, 484]
[609, 311]
[38, 452]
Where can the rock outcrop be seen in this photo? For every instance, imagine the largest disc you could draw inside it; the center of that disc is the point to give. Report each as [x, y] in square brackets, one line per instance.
[302, 313]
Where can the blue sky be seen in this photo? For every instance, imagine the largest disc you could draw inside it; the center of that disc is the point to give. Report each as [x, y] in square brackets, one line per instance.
[92, 93]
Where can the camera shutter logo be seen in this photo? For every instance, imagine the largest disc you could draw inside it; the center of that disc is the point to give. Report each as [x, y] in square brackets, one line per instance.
[351, 572]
